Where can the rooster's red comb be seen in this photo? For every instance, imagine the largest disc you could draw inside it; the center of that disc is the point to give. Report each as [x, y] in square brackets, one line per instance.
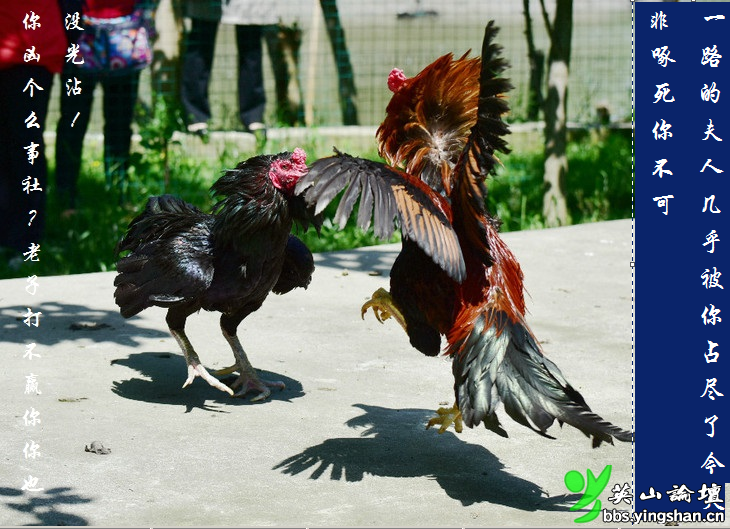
[396, 79]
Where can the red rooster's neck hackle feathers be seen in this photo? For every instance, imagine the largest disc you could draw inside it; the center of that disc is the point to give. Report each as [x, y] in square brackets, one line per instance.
[496, 289]
[505, 276]
[429, 118]
[285, 172]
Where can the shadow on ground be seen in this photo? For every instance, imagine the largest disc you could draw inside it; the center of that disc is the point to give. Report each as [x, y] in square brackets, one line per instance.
[66, 322]
[163, 375]
[375, 261]
[395, 444]
[45, 505]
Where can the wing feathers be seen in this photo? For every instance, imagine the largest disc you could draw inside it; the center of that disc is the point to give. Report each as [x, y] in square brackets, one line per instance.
[347, 201]
[488, 134]
[386, 194]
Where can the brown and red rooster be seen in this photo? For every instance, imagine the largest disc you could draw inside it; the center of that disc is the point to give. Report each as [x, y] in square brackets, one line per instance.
[454, 276]
[228, 261]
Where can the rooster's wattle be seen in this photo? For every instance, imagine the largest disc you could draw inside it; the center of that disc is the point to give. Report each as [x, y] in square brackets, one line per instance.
[183, 259]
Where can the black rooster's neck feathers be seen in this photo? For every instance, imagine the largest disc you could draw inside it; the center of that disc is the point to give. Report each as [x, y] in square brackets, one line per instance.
[249, 200]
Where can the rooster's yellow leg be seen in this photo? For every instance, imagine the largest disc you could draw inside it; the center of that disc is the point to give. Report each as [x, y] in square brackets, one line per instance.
[247, 379]
[383, 307]
[195, 368]
[446, 417]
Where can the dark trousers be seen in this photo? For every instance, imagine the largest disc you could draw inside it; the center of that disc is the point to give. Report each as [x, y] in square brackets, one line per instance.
[120, 96]
[198, 64]
[16, 140]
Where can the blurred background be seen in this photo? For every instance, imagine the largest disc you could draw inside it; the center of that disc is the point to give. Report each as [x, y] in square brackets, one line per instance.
[383, 34]
[325, 66]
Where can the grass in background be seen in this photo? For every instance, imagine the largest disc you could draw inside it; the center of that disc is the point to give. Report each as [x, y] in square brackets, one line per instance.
[598, 185]
[599, 188]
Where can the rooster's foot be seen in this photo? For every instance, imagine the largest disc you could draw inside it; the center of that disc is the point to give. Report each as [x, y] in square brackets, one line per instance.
[196, 369]
[248, 382]
[446, 417]
[383, 307]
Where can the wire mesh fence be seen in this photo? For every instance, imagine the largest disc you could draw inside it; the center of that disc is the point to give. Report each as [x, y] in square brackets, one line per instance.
[338, 61]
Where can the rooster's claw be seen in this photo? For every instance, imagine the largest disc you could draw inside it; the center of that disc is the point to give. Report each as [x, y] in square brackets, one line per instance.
[446, 417]
[383, 307]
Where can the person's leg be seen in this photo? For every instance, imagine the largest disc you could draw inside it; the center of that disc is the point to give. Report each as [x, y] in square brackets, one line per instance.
[77, 97]
[196, 70]
[120, 97]
[23, 168]
[251, 95]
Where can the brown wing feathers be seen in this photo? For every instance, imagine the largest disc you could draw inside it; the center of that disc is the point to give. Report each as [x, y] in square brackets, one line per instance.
[386, 194]
[442, 245]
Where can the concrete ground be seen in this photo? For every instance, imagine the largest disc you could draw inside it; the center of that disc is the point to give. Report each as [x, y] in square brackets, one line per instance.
[344, 444]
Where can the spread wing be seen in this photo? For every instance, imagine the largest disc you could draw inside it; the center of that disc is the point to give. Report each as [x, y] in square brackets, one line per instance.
[467, 187]
[386, 194]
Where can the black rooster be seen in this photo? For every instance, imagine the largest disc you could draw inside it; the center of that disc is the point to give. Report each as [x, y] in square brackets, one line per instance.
[228, 261]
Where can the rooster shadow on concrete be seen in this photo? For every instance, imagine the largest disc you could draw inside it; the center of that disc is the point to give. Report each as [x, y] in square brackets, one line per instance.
[159, 382]
[394, 443]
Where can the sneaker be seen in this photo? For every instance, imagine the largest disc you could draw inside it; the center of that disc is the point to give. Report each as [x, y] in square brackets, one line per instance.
[259, 131]
[199, 129]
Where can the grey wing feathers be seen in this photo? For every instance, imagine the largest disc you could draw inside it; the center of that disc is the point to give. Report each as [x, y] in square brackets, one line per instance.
[385, 194]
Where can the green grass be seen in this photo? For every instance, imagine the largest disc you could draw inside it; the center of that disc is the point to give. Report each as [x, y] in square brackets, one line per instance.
[598, 187]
